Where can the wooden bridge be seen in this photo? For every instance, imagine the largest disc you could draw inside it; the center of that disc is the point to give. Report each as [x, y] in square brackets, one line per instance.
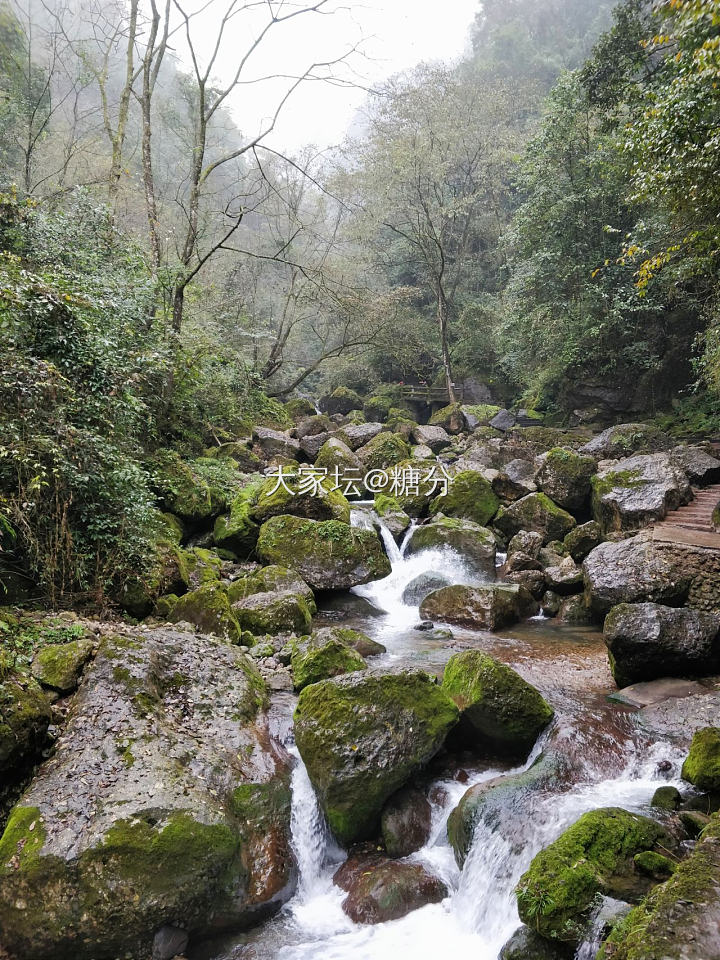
[421, 393]
[692, 524]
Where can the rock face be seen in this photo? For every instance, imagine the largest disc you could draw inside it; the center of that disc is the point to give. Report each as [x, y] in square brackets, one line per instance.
[564, 476]
[383, 451]
[638, 490]
[405, 822]
[184, 820]
[485, 607]
[474, 543]
[697, 463]
[363, 736]
[24, 719]
[380, 890]
[680, 919]
[320, 657]
[208, 608]
[515, 480]
[328, 555]
[702, 766]
[527, 944]
[358, 434]
[470, 497]
[594, 855]
[497, 706]
[647, 641]
[538, 513]
[632, 571]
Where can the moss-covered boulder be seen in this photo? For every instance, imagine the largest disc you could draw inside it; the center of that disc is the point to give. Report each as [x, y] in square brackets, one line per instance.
[470, 497]
[238, 531]
[321, 656]
[196, 491]
[497, 706]
[564, 476]
[203, 566]
[384, 450]
[342, 400]
[272, 613]
[208, 608]
[166, 570]
[582, 539]
[60, 665]
[24, 719]
[434, 438]
[537, 513]
[450, 418]
[380, 890]
[593, 856]
[702, 765]
[295, 497]
[272, 579]
[636, 491]
[355, 639]
[338, 459]
[392, 514]
[185, 822]
[328, 555]
[377, 408]
[484, 607]
[475, 544]
[239, 452]
[363, 736]
[412, 484]
[625, 439]
[527, 944]
[297, 408]
[680, 919]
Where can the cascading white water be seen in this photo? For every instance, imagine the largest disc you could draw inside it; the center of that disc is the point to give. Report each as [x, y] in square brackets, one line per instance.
[308, 830]
[606, 911]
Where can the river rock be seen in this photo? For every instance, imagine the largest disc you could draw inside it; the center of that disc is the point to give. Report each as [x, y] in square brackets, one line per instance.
[320, 656]
[312, 426]
[698, 464]
[469, 497]
[356, 435]
[593, 856]
[535, 512]
[392, 515]
[702, 766]
[532, 581]
[339, 461]
[419, 588]
[274, 443]
[342, 400]
[380, 890]
[273, 578]
[162, 805]
[564, 476]
[405, 822]
[646, 641]
[363, 736]
[328, 555]
[624, 439]
[638, 490]
[565, 578]
[207, 608]
[527, 542]
[289, 497]
[355, 639]
[60, 665]
[272, 613]
[475, 544]
[486, 607]
[527, 944]
[515, 480]
[582, 539]
[433, 437]
[680, 918]
[383, 451]
[451, 418]
[574, 610]
[632, 571]
[518, 560]
[497, 707]
[24, 719]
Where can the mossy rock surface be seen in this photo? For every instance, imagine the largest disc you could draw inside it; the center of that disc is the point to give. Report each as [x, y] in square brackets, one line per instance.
[60, 665]
[376, 409]
[273, 578]
[208, 608]
[195, 490]
[328, 555]
[625, 439]
[298, 408]
[496, 705]
[320, 657]
[412, 483]
[341, 400]
[470, 496]
[24, 719]
[383, 451]
[593, 856]
[166, 570]
[338, 459]
[363, 736]
[272, 613]
[293, 497]
[636, 491]
[680, 919]
[203, 566]
[702, 765]
[537, 513]
[450, 418]
[239, 452]
[355, 639]
[564, 475]
[238, 531]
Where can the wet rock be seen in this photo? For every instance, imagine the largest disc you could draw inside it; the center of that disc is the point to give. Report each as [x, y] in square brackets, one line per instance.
[593, 856]
[363, 736]
[582, 539]
[321, 656]
[380, 890]
[526, 944]
[515, 480]
[162, 801]
[702, 766]
[638, 490]
[565, 578]
[527, 542]
[405, 822]
[666, 798]
[681, 917]
[469, 497]
[647, 641]
[419, 588]
[574, 610]
[275, 443]
[564, 476]
[451, 418]
[550, 604]
[535, 512]
[328, 555]
[676, 718]
[60, 665]
[475, 544]
[625, 439]
[169, 942]
[430, 436]
[392, 515]
[632, 571]
[424, 625]
[497, 707]
[25, 716]
[486, 607]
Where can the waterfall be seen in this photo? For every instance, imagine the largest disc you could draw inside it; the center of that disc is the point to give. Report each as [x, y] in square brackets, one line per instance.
[606, 911]
[309, 834]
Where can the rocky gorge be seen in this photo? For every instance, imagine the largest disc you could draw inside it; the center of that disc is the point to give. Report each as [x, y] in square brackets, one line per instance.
[344, 722]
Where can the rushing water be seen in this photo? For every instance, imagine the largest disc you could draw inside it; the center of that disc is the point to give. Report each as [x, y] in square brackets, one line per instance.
[611, 763]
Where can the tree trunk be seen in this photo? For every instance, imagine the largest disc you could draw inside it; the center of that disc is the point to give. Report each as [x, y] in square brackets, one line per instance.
[442, 315]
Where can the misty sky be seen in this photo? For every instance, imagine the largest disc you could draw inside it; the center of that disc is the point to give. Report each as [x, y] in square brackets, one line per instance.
[398, 34]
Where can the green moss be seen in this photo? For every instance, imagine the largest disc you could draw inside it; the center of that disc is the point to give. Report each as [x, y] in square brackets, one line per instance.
[238, 531]
[320, 657]
[469, 496]
[535, 513]
[59, 665]
[702, 766]
[593, 856]
[627, 479]
[272, 613]
[275, 499]
[383, 451]
[377, 408]
[204, 566]
[22, 840]
[298, 408]
[208, 608]
[272, 578]
[171, 528]
[484, 412]
[654, 864]
[24, 719]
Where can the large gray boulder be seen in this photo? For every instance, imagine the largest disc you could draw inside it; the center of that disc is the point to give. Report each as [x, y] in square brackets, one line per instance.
[162, 806]
[274, 443]
[515, 480]
[636, 491]
[537, 513]
[475, 544]
[647, 641]
[633, 571]
[486, 607]
[564, 476]
[357, 435]
[625, 439]
[699, 464]
[434, 437]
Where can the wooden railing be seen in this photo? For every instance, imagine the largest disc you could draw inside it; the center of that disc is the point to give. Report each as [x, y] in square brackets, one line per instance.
[427, 394]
